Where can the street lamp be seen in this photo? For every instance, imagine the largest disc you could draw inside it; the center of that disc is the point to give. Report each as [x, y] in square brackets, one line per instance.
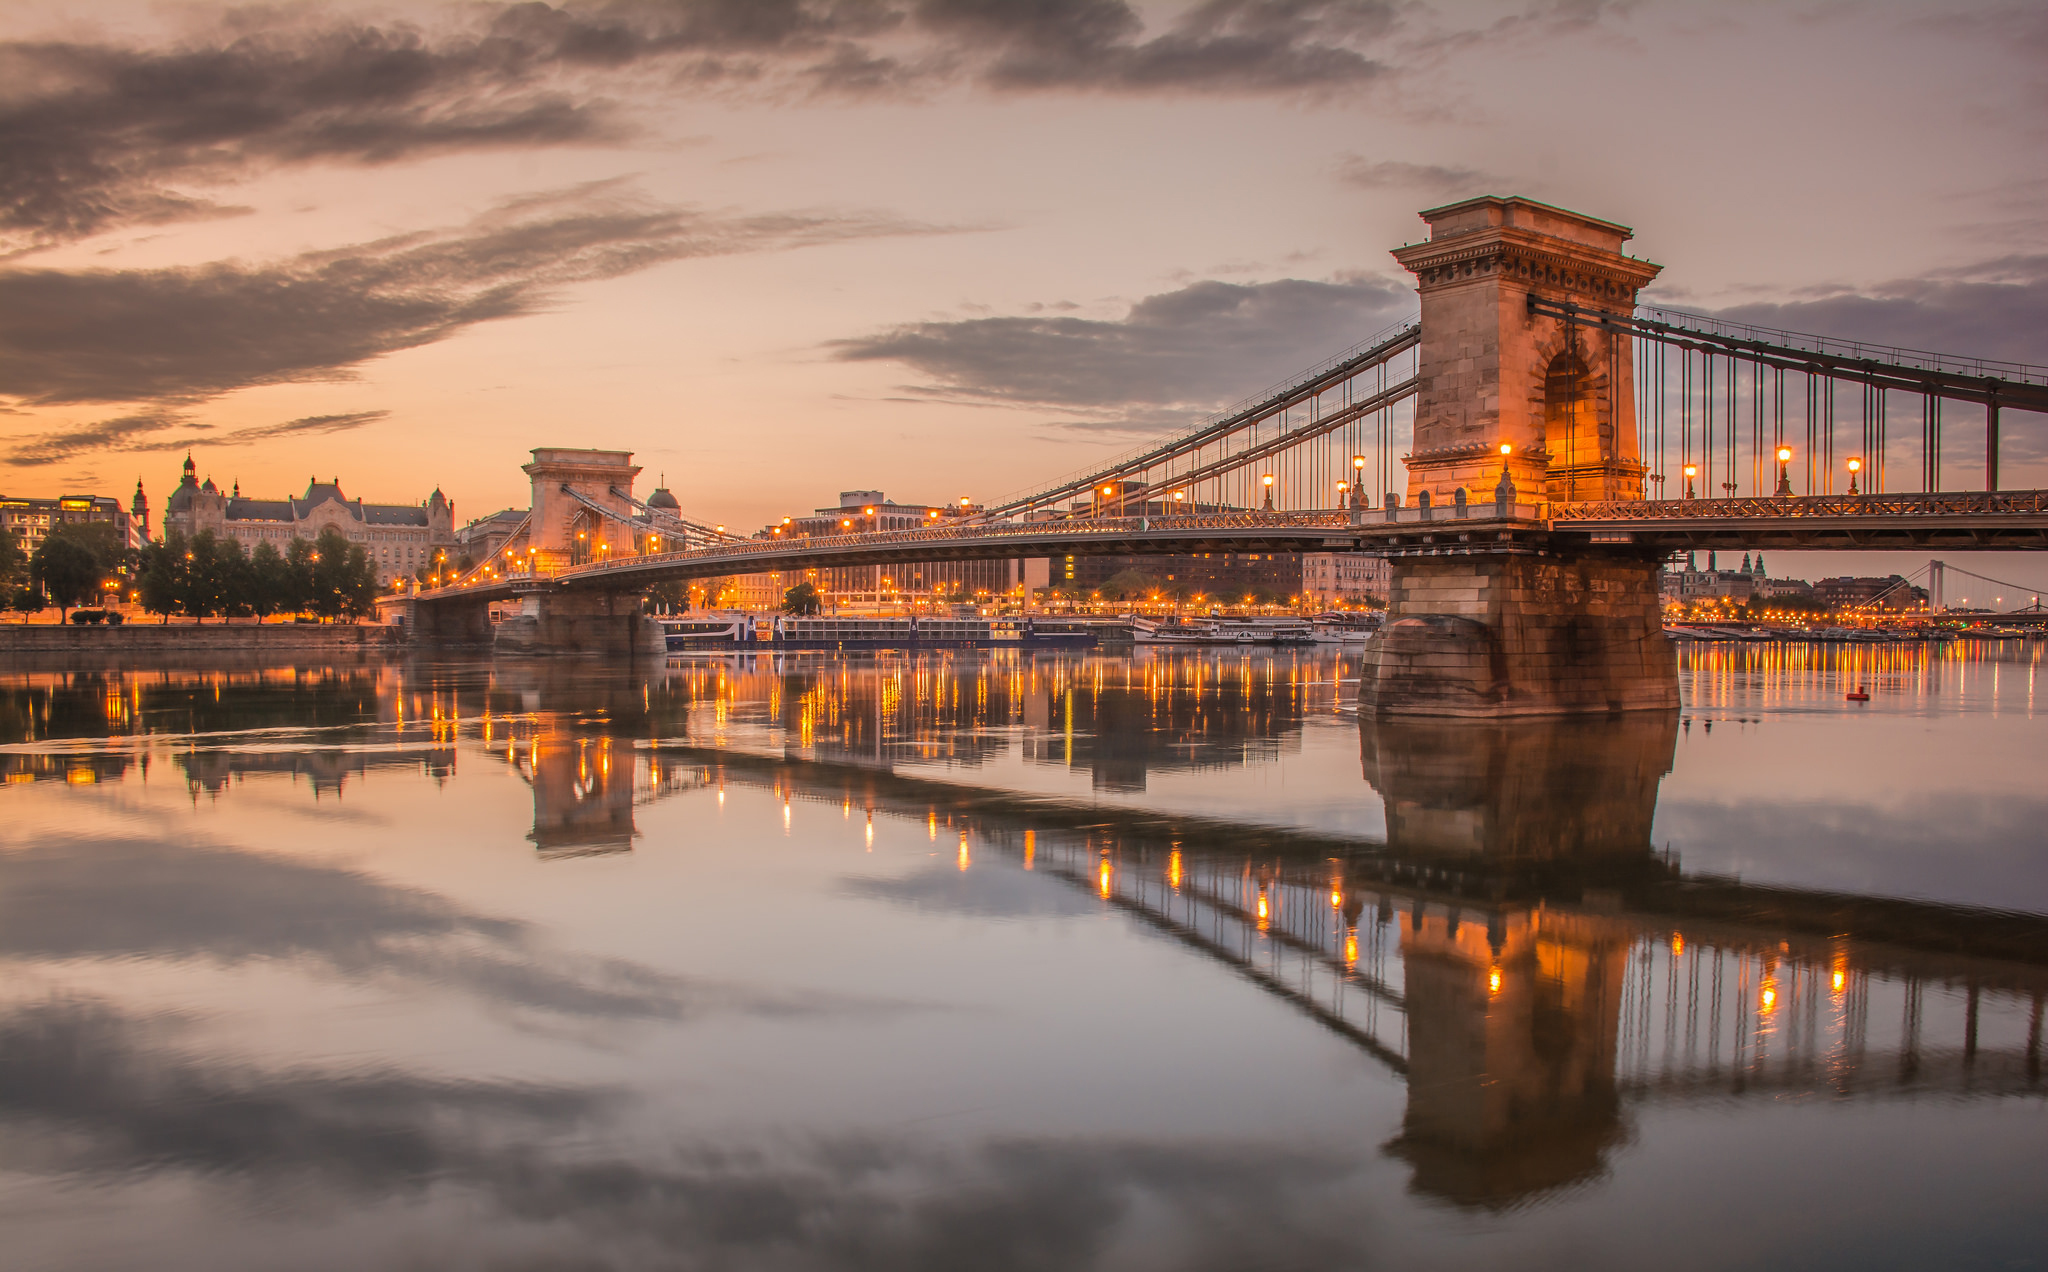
[1268, 481]
[1855, 467]
[1691, 471]
[1358, 481]
[1784, 490]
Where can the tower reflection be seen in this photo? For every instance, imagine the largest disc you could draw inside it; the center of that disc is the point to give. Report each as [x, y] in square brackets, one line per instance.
[1514, 1010]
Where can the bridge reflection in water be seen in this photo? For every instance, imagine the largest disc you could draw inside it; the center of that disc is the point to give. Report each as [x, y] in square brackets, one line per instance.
[1514, 948]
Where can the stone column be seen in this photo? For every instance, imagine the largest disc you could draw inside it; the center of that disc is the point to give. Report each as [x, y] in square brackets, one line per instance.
[604, 625]
[1519, 631]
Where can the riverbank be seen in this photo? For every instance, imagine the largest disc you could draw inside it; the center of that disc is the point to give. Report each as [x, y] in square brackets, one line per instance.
[131, 639]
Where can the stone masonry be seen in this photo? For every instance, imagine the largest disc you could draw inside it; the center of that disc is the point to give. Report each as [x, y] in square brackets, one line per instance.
[1529, 633]
[1562, 396]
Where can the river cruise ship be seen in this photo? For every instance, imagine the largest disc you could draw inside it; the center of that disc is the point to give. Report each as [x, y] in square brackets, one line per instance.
[752, 632]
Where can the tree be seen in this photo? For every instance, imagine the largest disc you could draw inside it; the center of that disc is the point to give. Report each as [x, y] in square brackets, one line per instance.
[26, 601]
[66, 571]
[1130, 585]
[341, 580]
[718, 593]
[201, 589]
[13, 562]
[271, 585]
[670, 597]
[161, 579]
[802, 600]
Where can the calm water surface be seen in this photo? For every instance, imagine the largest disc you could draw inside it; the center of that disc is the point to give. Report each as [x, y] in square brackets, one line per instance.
[1003, 962]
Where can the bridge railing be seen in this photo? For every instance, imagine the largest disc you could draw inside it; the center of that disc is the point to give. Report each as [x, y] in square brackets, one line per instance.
[1945, 504]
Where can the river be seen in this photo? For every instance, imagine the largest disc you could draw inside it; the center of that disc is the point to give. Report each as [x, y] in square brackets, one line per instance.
[1013, 961]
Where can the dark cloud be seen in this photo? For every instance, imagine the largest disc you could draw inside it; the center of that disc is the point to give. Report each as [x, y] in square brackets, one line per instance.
[91, 134]
[181, 334]
[1996, 309]
[1186, 350]
[118, 899]
[87, 1093]
[148, 432]
[95, 136]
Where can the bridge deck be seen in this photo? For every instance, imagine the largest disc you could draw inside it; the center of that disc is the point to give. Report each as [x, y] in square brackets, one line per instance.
[1999, 520]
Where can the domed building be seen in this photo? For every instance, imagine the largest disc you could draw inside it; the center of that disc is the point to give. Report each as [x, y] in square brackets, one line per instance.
[399, 538]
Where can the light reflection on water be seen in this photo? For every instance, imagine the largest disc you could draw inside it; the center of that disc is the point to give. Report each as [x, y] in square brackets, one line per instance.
[1019, 962]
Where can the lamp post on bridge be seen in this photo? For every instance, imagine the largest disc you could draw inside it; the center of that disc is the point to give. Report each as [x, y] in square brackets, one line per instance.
[1855, 467]
[1268, 480]
[1691, 471]
[1784, 490]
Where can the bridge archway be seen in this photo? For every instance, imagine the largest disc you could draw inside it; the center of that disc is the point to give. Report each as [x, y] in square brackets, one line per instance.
[1578, 429]
[586, 532]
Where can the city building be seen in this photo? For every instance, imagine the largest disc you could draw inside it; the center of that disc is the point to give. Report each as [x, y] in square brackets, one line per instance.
[1211, 576]
[399, 538]
[905, 582]
[487, 536]
[1714, 583]
[30, 519]
[1891, 592]
[1345, 578]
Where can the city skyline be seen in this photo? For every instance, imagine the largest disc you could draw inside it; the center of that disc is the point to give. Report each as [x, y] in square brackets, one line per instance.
[936, 248]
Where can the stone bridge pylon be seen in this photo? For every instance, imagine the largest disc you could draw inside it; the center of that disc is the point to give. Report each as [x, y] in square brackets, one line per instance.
[582, 514]
[1513, 405]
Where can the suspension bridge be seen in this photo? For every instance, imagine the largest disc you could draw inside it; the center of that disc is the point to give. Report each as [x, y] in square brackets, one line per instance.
[1527, 452]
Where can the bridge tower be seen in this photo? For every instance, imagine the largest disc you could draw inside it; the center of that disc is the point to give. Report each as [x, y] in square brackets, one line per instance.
[581, 515]
[566, 531]
[1562, 395]
[1482, 627]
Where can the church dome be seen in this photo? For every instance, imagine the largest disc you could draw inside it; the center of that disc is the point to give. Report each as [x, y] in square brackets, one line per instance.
[661, 498]
[208, 488]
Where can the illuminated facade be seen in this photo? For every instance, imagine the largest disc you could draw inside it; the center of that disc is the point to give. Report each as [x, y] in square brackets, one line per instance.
[30, 519]
[1345, 578]
[399, 538]
[907, 582]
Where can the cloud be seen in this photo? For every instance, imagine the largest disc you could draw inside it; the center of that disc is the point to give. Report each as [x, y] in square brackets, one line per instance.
[553, 1174]
[1993, 309]
[1431, 178]
[127, 899]
[177, 335]
[1174, 353]
[1238, 46]
[91, 134]
[130, 433]
[99, 135]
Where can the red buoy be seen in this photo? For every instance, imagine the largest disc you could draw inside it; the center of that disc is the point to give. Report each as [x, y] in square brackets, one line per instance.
[1860, 695]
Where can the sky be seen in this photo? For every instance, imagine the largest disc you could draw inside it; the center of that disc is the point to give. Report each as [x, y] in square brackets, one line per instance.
[784, 248]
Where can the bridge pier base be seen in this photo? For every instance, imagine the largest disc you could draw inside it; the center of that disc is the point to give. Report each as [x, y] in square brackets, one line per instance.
[452, 623]
[1521, 631]
[599, 624]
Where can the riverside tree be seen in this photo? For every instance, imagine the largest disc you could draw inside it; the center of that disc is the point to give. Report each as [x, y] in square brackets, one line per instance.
[208, 576]
[69, 563]
[801, 600]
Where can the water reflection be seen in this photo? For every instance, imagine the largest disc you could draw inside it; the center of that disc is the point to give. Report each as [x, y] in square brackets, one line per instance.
[1515, 949]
